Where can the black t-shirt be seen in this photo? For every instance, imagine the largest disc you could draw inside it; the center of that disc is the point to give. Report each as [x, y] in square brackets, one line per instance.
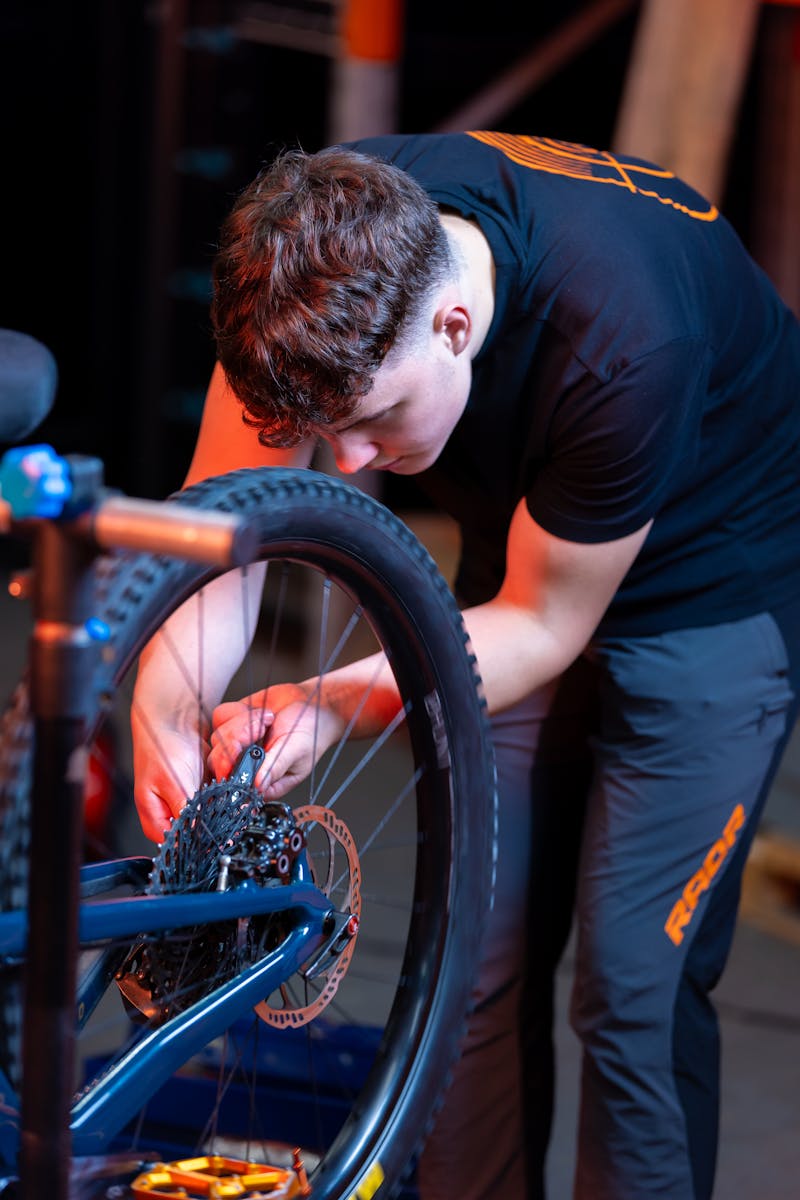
[639, 365]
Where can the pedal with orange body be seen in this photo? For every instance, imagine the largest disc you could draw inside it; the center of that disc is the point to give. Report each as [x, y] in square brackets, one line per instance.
[218, 1178]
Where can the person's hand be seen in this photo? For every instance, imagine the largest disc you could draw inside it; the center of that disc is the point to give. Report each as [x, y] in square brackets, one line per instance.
[293, 727]
[169, 767]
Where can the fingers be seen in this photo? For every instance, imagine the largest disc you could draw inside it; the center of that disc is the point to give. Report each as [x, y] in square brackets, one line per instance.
[155, 816]
[167, 776]
[236, 726]
[159, 800]
[287, 761]
[294, 732]
[288, 734]
[165, 780]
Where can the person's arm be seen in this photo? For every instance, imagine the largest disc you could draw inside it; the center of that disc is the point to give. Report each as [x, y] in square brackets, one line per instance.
[553, 598]
[225, 443]
[551, 601]
[197, 652]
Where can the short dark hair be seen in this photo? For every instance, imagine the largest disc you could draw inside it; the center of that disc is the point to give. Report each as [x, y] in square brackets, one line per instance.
[324, 265]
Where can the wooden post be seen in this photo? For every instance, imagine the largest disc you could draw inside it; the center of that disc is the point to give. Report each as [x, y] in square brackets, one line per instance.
[688, 67]
[365, 75]
[776, 219]
[363, 101]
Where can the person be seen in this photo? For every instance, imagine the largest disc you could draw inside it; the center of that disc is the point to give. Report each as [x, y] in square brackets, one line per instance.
[574, 355]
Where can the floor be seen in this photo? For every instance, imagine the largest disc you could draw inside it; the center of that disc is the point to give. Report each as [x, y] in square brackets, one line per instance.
[758, 999]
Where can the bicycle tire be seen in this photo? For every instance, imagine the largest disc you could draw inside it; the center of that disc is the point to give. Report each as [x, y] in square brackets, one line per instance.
[311, 519]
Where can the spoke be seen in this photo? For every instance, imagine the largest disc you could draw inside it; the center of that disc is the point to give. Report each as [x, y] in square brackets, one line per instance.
[398, 801]
[201, 713]
[277, 623]
[147, 725]
[248, 632]
[181, 664]
[379, 741]
[277, 620]
[346, 1017]
[231, 1064]
[401, 797]
[363, 976]
[391, 903]
[323, 631]
[344, 739]
[334, 657]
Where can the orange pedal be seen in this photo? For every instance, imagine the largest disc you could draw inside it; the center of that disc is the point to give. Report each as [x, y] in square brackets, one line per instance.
[220, 1178]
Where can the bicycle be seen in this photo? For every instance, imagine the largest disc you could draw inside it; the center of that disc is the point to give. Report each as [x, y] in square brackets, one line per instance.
[362, 991]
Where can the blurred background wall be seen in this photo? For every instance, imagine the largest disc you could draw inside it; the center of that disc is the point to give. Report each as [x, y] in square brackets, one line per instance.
[128, 126]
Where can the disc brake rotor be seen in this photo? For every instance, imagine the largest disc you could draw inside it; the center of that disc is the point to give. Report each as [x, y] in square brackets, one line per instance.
[334, 833]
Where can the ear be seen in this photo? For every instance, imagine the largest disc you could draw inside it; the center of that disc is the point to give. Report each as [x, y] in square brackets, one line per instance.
[454, 322]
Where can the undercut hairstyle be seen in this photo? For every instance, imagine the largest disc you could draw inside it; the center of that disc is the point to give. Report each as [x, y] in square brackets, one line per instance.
[325, 265]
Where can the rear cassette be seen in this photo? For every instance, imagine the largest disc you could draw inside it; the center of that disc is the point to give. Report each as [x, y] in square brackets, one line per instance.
[225, 834]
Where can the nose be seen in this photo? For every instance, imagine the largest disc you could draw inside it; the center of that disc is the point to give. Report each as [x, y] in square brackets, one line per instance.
[353, 454]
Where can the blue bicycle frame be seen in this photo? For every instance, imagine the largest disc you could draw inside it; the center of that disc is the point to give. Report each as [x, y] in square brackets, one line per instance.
[107, 1104]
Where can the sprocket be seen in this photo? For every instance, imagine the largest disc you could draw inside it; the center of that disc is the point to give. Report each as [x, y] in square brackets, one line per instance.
[226, 833]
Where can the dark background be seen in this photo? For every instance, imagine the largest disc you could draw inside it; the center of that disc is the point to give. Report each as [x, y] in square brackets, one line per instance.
[125, 144]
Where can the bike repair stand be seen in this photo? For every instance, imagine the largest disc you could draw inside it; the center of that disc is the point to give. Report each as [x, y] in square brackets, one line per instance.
[60, 504]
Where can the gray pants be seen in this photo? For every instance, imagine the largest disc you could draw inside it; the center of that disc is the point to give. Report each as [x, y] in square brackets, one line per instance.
[629, 795]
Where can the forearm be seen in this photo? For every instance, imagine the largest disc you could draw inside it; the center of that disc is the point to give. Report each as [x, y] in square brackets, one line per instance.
[552, 599]
[515, 651]
[363, 696]
[186, 667]
[547, 610]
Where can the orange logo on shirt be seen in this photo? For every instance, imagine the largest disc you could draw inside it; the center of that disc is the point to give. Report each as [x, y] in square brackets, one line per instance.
[594, 166]
[700, 882]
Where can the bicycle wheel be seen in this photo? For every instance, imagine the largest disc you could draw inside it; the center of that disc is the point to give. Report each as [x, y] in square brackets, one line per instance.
[355, 1081]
